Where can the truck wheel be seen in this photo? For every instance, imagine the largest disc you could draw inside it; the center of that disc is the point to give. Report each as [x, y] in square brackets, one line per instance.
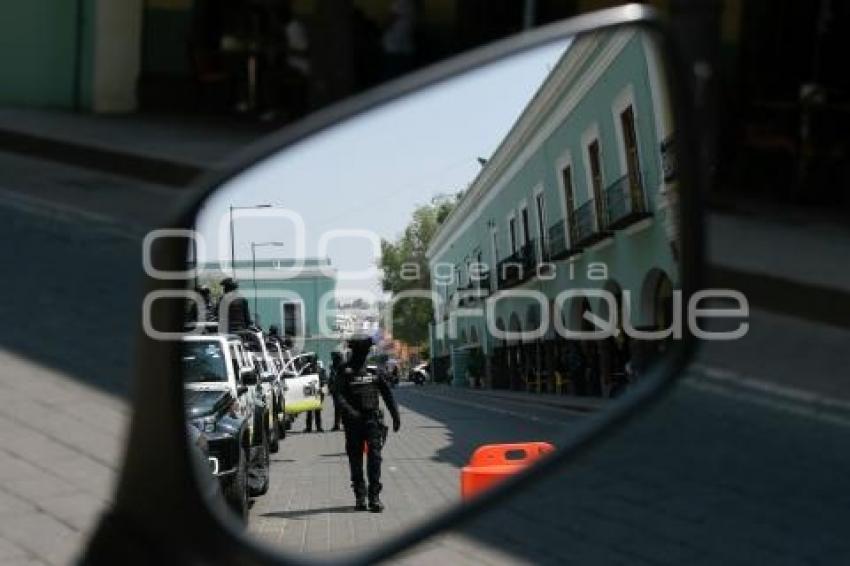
[236, 489]
[274, 434]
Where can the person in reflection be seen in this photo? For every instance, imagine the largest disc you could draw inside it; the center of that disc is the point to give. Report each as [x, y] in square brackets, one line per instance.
[313, 367]
[356, 393]
[238, 312]
[336, 361]
[207, 311]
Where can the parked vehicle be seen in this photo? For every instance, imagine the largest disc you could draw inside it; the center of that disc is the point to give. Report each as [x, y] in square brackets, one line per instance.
[419, 374]
[279, 358]
[254, 344]
[223, 401]
[204, 463]
[303, 387]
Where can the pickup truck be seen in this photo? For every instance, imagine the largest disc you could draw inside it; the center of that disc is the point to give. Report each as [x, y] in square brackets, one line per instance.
[224, 402]
[261, 358]
[279, 357]
[303, 386]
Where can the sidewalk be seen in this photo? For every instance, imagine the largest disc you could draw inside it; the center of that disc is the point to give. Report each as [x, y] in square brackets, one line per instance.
[566, 402]
[60, 449]
[169, 150]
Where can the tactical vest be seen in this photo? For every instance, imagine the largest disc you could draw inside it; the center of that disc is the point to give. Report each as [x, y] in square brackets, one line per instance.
[363, 391]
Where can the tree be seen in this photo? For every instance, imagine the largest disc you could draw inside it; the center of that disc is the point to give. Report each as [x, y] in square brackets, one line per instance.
[405, 268]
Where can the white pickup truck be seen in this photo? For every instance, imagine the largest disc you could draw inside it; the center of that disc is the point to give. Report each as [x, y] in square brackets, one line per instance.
[303, 387]
[262, 360]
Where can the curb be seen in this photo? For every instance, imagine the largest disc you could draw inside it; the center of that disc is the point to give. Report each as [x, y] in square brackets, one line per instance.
[808, 301]
[175, 174]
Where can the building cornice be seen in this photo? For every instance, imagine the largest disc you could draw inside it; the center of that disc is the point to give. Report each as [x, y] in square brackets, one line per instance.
[530, 130]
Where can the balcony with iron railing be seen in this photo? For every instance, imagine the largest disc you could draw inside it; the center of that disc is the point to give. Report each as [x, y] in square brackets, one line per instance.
[528, 258]
[624, 202]
[508, 272]
[556, 244]
[518, 266]
[591, 224]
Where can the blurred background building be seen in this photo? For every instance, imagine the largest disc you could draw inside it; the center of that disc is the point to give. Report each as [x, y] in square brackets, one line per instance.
[776, 64]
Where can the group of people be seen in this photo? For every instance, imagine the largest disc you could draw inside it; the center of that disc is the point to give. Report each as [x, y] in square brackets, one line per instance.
[238, 312]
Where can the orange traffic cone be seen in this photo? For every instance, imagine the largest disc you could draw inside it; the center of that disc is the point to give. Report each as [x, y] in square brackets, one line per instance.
[492, 463]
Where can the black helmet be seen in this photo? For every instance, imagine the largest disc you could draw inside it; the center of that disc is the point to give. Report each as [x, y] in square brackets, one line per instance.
[360, 347]
[229, 284]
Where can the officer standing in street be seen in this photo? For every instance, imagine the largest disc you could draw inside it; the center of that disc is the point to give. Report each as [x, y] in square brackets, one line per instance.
[356, 394]
[336, 365]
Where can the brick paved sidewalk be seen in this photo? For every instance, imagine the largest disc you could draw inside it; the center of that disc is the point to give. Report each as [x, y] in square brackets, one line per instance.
[309, 507]
[60, 447]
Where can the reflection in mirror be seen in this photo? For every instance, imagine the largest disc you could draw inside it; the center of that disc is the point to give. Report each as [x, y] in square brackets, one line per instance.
[430, 296]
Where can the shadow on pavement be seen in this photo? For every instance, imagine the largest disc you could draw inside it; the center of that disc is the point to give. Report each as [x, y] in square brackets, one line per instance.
[72, 298]
[468, 427]
[300, 513]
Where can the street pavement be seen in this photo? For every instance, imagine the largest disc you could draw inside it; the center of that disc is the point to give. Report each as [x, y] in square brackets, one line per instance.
[309, 505]
[745, 461]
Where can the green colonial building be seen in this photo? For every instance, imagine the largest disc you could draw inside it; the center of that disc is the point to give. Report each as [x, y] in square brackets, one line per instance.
[297, 296]
[580, 195]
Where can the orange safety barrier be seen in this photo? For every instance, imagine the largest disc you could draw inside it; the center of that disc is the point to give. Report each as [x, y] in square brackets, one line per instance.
[492, 463]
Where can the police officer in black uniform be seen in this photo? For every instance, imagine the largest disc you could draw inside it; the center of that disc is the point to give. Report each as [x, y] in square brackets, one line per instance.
[336, 365]
[356, 394]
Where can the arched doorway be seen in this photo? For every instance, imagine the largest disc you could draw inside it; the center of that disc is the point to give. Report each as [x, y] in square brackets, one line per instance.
[657, 309]
[500, 359]
[656, 300]
[515, 355]
[532, 370]
[613, 352]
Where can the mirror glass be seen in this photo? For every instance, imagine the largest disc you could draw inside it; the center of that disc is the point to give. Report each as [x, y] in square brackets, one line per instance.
[434, 293]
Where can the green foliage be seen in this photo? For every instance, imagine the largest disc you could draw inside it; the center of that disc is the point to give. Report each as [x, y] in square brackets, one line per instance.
[405, 268]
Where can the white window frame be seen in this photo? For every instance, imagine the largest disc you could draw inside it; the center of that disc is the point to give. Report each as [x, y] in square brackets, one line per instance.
[564, 161]
[542, 230]
[301, 320]
[624, 99]
[590, 135]
[523, 205]
[513, 244]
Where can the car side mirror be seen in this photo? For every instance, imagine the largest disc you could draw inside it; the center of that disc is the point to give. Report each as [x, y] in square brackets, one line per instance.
[242, 389]
[582, 209]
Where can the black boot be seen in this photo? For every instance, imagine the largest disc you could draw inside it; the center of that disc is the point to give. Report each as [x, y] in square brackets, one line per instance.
[375, 505]
[360, 503]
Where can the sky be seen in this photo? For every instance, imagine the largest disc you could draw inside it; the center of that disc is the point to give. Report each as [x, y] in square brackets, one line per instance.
[365, 176]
